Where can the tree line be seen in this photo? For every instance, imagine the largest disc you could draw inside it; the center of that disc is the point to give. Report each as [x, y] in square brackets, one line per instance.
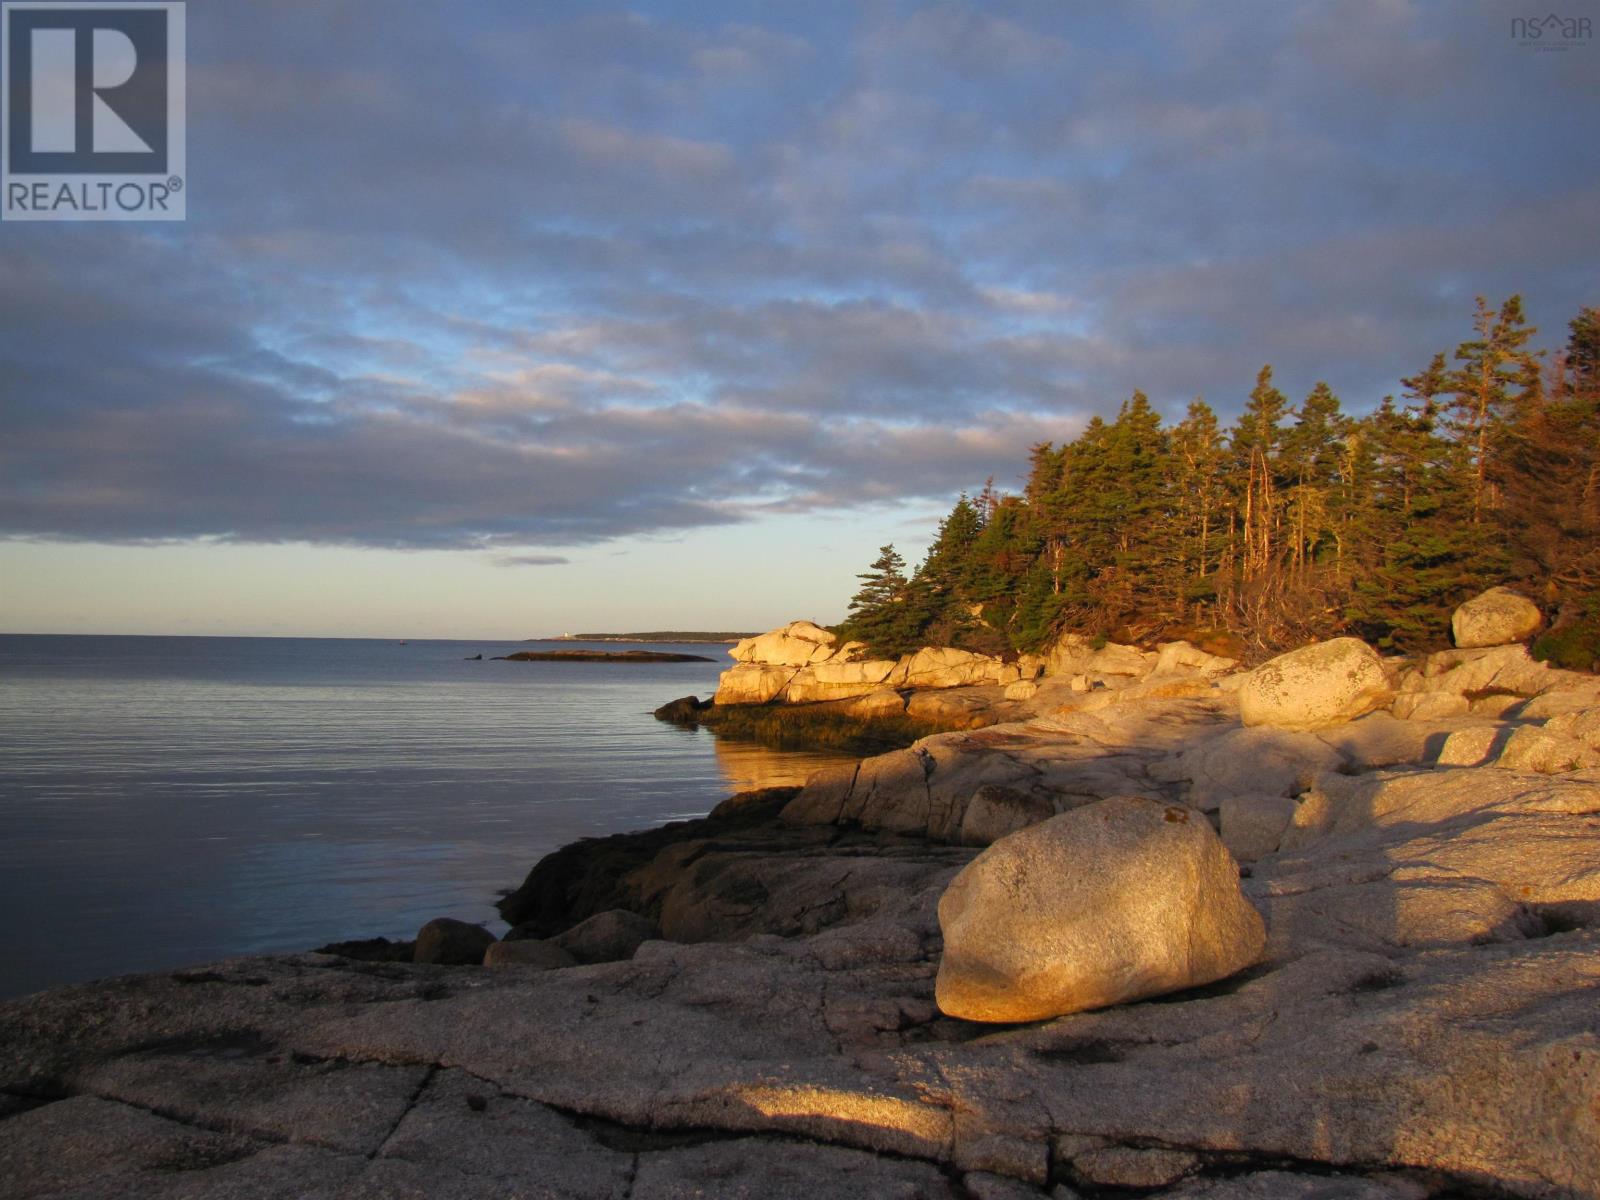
[1298, 522]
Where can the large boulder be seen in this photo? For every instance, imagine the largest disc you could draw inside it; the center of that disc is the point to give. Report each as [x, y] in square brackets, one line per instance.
[1110, 902]
[452, 943]
[1497, 617]
[1316, 686]
[683, 711]
[609, 936]
[1581, 724]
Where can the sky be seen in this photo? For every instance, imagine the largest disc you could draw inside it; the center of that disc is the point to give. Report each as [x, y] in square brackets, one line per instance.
[505, 320]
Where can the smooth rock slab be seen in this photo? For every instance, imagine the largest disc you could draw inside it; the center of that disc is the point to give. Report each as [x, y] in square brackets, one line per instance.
[1280, 762]
[85, 1139]
[1534, 749]
[996, 811]
[1474, 746]
[1128, 1166]
[881, 703]
[1430, 706]
[1253, 825]
[528, 952]
[1281, 1185]
[1115, 901]
[751, 1168]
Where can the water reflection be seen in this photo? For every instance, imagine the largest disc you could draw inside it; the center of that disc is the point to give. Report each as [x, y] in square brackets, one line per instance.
[748, 765]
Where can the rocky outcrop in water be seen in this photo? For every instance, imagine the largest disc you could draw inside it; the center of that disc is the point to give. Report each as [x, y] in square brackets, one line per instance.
[803, 663]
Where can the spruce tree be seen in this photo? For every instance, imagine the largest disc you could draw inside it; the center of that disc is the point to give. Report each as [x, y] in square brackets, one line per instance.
[878, 613]
[942, 581]
[1547, 472]
[1496, 375]
[1254, 446]
[1310, 461]
[1200, 495]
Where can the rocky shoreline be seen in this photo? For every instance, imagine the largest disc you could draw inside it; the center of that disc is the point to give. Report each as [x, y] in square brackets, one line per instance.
[746, 1004]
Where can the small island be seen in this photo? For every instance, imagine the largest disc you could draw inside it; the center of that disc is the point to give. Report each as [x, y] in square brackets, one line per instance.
[605, 656]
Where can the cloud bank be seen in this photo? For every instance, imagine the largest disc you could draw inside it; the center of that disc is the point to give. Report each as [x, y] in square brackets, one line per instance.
[527, 275]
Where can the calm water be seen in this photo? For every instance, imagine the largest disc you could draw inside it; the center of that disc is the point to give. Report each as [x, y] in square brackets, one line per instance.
[171, 800]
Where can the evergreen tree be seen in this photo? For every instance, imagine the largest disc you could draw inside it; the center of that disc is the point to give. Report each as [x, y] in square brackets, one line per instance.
[1312, 451]
[1254, 445]
[943, 580]
[1136, 503]
[1496, 375]
[1200, 497]
[878, 614]
[1548, 473]
[1582, 357]
[1425, 553]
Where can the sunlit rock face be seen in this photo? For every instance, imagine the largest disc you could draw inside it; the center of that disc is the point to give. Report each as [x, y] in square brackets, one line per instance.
[1074, 654]
[944, 667]
[803, 663]
[1497, 617]
[1177, 657]
[795, 645]
[838, 680]
[752, 683]
[1491, 681]
[1111, 902]
[1326, 684]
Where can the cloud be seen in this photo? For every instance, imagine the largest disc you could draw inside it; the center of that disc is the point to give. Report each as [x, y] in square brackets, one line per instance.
[503, 277]
[531, 560]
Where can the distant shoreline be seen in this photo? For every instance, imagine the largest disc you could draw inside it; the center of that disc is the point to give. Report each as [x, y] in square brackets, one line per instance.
[601, 656]
[660, 638]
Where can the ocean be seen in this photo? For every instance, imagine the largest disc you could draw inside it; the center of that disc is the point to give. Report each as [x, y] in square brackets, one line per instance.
[171, 800]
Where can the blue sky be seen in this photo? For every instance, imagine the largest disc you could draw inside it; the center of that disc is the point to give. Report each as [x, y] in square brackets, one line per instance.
[508, 319]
